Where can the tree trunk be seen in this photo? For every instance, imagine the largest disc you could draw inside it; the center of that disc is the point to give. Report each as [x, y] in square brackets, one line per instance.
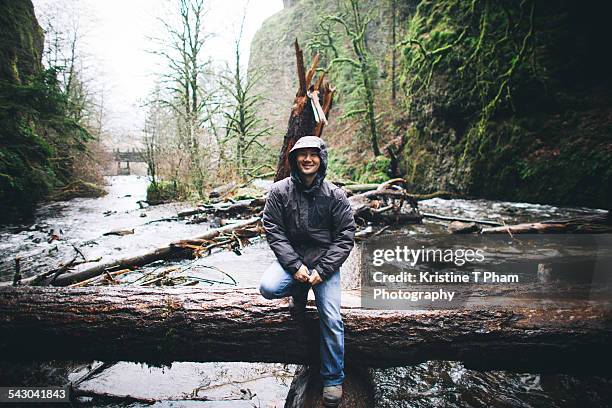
[393, 49]
[302, 119]
[162, 325]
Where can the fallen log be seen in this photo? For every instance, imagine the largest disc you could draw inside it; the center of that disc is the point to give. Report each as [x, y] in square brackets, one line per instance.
[359, 188]
[171, 250]
[594, 224]
[161, 325]
[460, 219]
[252, 206]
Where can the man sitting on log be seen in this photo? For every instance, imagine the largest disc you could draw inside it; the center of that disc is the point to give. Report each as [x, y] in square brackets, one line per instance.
[310, 227]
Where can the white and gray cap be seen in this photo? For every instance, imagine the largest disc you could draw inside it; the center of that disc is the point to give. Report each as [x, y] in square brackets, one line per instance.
[308, 141]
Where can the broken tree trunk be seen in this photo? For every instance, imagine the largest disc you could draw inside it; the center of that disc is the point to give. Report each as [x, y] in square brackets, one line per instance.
[188, 324]
[309, 112]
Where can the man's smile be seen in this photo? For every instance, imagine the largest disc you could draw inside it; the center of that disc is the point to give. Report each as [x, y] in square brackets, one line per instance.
[308, 161]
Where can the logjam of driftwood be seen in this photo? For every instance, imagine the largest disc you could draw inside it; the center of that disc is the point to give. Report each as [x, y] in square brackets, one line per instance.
[172, 250]
[389, 204]
[250, 206]
[190, 324]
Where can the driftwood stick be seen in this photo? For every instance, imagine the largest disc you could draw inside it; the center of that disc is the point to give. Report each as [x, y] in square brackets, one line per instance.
[95, 279]
[451, 218]
[589, 224]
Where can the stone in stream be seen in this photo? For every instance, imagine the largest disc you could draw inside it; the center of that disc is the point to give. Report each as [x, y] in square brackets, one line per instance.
[120, 232]
[458, 227]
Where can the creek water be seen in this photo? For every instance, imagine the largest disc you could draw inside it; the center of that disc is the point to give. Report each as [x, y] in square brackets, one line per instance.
[84, 222]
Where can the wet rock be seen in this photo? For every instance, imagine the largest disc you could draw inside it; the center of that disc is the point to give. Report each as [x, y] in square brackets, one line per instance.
[55, 234]
[458, 227]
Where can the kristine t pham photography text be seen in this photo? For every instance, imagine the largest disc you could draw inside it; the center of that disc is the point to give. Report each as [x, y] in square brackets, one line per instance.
[458, 271]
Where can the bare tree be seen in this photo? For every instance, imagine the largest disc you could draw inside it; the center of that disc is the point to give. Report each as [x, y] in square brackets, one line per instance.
[63, 55]
[243, 127]
[182, 50]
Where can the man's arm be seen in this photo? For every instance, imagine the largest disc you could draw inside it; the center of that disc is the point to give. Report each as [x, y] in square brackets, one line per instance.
[344, 236]
[276, 234]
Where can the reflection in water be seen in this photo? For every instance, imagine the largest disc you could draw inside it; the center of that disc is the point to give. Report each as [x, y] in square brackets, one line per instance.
[449, 385]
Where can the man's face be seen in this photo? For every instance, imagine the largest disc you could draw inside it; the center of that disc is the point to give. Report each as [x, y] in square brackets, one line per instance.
[308, 160]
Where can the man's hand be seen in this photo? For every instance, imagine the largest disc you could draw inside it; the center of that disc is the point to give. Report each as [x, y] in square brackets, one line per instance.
[315, 278]
[302, 274]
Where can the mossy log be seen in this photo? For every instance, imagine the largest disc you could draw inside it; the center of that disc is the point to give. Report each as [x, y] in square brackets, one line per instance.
[160, 325]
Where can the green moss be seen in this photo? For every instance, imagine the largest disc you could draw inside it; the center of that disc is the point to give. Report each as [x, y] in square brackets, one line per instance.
[163, 191]
[375, 171]
[38, 136]
[506, 111]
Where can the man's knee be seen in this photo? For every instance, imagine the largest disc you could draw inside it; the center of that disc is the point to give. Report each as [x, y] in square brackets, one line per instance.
[267, 290]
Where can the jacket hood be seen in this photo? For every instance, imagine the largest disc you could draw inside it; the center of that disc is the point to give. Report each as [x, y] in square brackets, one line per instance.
[303, 143]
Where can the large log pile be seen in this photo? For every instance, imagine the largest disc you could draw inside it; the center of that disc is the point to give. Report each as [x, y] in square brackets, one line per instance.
[160, 325]
[185, 248]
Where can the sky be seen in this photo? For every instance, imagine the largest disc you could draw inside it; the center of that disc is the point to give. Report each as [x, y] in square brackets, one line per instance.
[116, 37]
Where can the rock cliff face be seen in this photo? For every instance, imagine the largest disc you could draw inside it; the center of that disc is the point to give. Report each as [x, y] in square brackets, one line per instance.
[272, 53]
[22, 42]
[23, 153]
[549, 141]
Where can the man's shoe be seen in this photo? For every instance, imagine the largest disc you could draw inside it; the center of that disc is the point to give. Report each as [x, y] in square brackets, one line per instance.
[332, 395]
[297, 308]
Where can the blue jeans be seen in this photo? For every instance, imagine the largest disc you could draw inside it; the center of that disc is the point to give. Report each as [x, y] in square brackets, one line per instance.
[276, 283]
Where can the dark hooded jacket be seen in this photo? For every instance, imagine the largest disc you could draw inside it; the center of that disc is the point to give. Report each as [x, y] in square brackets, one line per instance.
[312, 225]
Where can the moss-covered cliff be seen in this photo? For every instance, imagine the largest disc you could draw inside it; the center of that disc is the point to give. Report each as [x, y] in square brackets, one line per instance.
[35, 122]
[23, 153]
[516, 106]
[506, 100]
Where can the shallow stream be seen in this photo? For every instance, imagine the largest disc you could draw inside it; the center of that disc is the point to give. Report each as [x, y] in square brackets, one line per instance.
[82, 223]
